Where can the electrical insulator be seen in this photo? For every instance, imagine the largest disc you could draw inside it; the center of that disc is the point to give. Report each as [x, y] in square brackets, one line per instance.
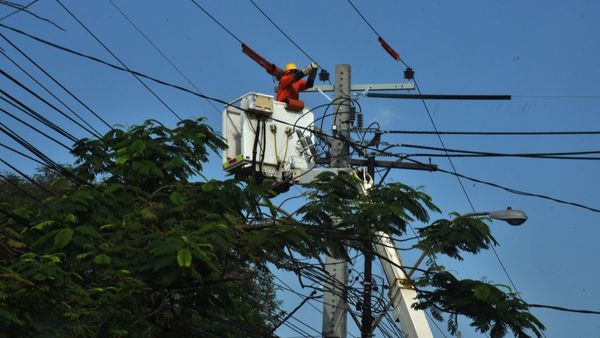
[360, 120]
[409, 73]
[324, 75]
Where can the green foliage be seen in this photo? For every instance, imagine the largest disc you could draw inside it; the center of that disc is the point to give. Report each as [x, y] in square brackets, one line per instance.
[337, 204]
[184, 258]
[489, 308]
[142, 251]
[449, 237]
[148, 250]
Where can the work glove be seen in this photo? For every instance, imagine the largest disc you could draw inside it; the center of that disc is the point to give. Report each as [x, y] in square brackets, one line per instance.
[306, 70]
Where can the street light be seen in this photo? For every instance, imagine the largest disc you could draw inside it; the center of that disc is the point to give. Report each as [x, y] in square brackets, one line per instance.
[510, 216]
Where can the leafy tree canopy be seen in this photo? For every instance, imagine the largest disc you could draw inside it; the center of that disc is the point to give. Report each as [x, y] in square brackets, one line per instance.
[146, 249]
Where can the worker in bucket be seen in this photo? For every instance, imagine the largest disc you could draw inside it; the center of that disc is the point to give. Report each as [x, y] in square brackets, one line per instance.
[291, 84]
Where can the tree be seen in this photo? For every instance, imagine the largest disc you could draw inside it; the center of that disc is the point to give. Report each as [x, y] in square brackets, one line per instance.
[149, 247]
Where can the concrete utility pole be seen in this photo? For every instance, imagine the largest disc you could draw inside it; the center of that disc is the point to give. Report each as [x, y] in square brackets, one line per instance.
[335, 305]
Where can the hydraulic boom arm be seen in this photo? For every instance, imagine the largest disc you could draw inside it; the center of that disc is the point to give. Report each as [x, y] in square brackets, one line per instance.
[402, 294]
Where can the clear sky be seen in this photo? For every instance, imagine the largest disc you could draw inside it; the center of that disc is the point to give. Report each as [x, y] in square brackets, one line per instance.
[544, 53]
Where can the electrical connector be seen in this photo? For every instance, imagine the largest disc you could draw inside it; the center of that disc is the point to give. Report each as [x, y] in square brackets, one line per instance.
[324, 75]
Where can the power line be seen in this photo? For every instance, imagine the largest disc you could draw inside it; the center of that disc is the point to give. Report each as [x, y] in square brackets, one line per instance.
[24, 9]
[111, 65]
[484, 133]
[364, 19]
[34, 182]
[487, 155]
[22, 86]
[217, 22]
[383, 43]
[316, 132]
[282, 31]
[23, 191]
[118, 59]
[158, 50]
[465, 153]
[36, 129]
[22, 154]
[55, 81]
[397, 57]
[50, 163]
[560, 308]
[435, 324]
[35, 115]
[511, 190]
[291, 313]
[18, 10]
[49, 92]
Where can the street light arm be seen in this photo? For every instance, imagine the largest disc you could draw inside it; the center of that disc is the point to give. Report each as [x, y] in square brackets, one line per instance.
[510, 216]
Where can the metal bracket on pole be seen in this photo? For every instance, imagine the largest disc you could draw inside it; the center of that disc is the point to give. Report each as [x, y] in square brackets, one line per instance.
[324, 95]
[359, 95]
[362, 87]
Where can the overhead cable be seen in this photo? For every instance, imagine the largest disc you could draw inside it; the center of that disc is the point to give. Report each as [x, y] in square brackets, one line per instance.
[283, 32]
[383, 43]
[35, 129]
[564, 309]
[37, 96]
[119, 60]
[483, 133]
[35, 115]
[159, 51]
[25, 176]
[217, 22]
[471, 153]
[55, 81]
[41, 155]
[19, 10]
[16, 186]
[511, 190]
[49, 92]
[22, 154]
[397, 57]
[316, 132]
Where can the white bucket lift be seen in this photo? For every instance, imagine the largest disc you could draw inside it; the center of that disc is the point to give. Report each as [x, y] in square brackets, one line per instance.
[279, 150]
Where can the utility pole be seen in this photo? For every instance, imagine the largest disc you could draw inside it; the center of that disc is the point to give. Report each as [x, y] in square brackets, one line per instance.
[335, 305]
[335, 309]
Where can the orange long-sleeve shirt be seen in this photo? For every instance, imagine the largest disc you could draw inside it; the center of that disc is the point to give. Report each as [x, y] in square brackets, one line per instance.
[289, 87]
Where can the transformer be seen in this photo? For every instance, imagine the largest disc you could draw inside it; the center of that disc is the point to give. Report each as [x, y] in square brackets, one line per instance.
[267, 141]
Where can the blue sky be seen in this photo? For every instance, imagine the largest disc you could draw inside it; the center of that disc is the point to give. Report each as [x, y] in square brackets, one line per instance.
[543, 53]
